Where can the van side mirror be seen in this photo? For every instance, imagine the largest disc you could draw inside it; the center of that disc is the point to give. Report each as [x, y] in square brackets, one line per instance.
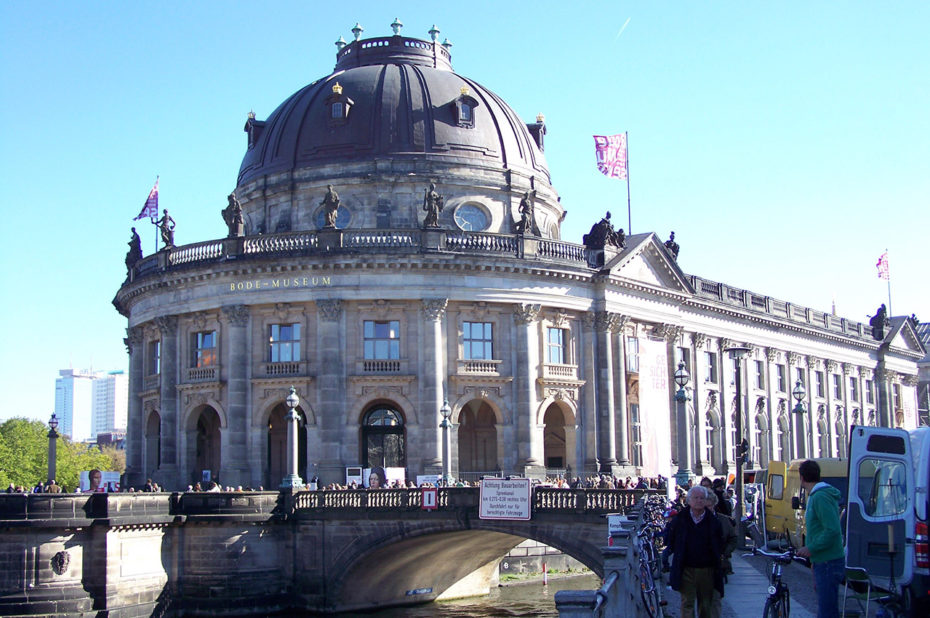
[795, 503]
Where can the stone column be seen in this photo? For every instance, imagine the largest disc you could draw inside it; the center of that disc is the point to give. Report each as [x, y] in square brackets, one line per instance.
[588, 452]
[832, 401]
[235, 454]
[331, 378]
[622, 426]
[432, 392]
[604, 322]
[168, 471]
[699, 396]
[135, 422]
[529, 435]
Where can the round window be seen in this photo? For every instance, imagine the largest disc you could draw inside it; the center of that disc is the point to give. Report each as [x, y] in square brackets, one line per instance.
[472, 218]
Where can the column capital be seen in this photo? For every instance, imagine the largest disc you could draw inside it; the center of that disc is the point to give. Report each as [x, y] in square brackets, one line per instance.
[524, 314]
[238, 315]
[831, 366]
[771, 354]
[700, 340]
[134, 337]
[795, 359]
[167, 324]
[330, 309]
[605, 321]
[434, 308]
[669, 332]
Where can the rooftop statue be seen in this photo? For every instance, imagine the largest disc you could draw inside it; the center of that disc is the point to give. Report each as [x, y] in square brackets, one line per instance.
[879, 323]
[232, 215]
[330, 205]
[166, 227]
[433, 204]
[527, 222]
[135, 250]
[672, 246]
[602, 235]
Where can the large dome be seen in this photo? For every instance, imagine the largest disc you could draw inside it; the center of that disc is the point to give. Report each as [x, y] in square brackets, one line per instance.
[403, 100]
[389, 121]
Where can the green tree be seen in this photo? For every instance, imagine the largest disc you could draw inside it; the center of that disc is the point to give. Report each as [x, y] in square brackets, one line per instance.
[23, 452]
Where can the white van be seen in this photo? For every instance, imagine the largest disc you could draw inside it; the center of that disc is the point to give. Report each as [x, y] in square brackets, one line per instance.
[889, 472]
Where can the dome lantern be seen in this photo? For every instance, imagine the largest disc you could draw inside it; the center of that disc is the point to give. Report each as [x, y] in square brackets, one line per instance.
[357, 31]
[340, 43]
[396, 26]
[433, 33]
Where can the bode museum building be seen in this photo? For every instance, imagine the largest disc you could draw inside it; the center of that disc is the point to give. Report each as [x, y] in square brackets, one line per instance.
[394, 244]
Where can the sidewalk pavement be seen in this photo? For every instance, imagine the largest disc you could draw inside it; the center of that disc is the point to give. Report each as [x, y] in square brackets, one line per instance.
[747, 589]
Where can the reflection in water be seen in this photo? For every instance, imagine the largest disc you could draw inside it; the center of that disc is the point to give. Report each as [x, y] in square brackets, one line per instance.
[529, 599]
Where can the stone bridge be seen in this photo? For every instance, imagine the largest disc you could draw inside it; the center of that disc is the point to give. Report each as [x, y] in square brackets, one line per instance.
[260, 552]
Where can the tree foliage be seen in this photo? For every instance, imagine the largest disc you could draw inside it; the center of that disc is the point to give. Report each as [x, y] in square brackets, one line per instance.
[24, 456]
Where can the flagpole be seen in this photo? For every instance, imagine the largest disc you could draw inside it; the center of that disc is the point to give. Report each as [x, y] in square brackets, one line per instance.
[629, 216]
[888, 280]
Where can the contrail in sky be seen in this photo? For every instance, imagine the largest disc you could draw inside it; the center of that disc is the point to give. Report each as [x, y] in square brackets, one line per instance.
[625, 24]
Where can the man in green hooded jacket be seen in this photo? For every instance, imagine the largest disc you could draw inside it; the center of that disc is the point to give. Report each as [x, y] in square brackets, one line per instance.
[823, 542]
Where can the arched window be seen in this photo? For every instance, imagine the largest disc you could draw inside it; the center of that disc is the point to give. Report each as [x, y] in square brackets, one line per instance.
[383, 442]
[152, 443]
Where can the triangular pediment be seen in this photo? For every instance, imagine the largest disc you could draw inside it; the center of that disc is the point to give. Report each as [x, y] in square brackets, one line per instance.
[645, 261]
[903, 336]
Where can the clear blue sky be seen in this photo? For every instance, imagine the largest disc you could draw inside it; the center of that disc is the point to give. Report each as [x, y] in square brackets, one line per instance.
[787, 144]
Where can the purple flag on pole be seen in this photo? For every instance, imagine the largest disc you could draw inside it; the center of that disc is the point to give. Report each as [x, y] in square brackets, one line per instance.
[883, 271]
[610, 152]
[151, 205]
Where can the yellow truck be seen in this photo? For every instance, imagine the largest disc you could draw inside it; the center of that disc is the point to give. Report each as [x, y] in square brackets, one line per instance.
[785, 499]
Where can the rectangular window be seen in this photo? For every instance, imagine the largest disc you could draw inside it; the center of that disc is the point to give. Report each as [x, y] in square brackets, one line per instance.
[284, 343]
[555, 346]
[710, 362]
[896, 394]
[204, 345]
[799, 376]
[382, 340]
[837, 387]
[869, 393]
[760, 374]
[818, 379]
[782, 378]
[632, 355]
[337, 111]
[477, 340]
[684, 356]
[854, 389]
[154, 358]
[636, 435]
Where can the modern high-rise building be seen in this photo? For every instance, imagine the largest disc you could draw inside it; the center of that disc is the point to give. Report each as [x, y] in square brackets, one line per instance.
[111, 400]
[74, 394]
[89, 402]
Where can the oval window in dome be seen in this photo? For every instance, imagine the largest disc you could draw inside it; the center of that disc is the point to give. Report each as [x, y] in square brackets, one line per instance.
[472, 218]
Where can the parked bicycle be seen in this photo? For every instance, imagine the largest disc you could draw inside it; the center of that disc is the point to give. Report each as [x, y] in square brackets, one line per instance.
[649, 544]
[778, 603]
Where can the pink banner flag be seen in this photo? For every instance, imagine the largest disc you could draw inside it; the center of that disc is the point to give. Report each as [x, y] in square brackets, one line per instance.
[882, 266]
[610, 152]
[151, 205]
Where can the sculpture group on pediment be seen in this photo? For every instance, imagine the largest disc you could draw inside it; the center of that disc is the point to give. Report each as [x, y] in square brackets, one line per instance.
[603, 235]
[672, 247]
[880, 323]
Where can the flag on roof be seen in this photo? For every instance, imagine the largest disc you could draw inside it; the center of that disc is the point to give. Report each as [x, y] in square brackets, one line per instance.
[150, 209]
[882, 266]
[610, 153]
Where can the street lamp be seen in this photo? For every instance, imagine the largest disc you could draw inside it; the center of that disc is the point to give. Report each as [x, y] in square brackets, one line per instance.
[799, 393]
[737, 353]
[446, 413]
[52, 447]
[682, 377]
[292, 481]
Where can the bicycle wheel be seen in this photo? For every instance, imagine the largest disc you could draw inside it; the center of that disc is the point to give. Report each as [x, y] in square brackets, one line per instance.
[647, 591]
[776, 607]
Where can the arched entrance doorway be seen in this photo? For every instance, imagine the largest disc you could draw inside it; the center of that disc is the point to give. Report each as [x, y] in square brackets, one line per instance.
[554, 443]
[207, 445]
[477, 441]
[152, 444]
[276, 445]
[383, 441]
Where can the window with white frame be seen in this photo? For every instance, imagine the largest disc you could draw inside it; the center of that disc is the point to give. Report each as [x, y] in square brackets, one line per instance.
[284, 343]
[154, 359]
[782, 376]
[818, 382]
[556, 340]
[837, 386]
[477, 340]
[869, 392]
[636, 435]
[760, 374]
[710, 366]
[632, 355]
[382, 339]
[854, 389]
[204, 349]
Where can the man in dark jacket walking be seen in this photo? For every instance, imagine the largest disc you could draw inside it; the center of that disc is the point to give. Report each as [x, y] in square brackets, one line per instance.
[696, 541]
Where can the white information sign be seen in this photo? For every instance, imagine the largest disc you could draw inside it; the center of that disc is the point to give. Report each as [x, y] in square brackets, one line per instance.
[505, 499]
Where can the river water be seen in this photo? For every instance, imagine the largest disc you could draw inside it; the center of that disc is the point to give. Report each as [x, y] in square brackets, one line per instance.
[524, 599]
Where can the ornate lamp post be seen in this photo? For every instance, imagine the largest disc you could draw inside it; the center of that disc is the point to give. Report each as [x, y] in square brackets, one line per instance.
[682, 377]
[52, 447]
[799, 393]
[292, 481]
[737, 353]
[446, 413]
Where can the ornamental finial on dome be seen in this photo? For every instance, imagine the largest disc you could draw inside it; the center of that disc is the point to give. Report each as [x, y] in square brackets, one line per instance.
[251, 114]
[340, 43]
[540, 118]
[396, 26]
[464, 91]
[337, 89]
[434, 33]
[357, 30]
[447, 44]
